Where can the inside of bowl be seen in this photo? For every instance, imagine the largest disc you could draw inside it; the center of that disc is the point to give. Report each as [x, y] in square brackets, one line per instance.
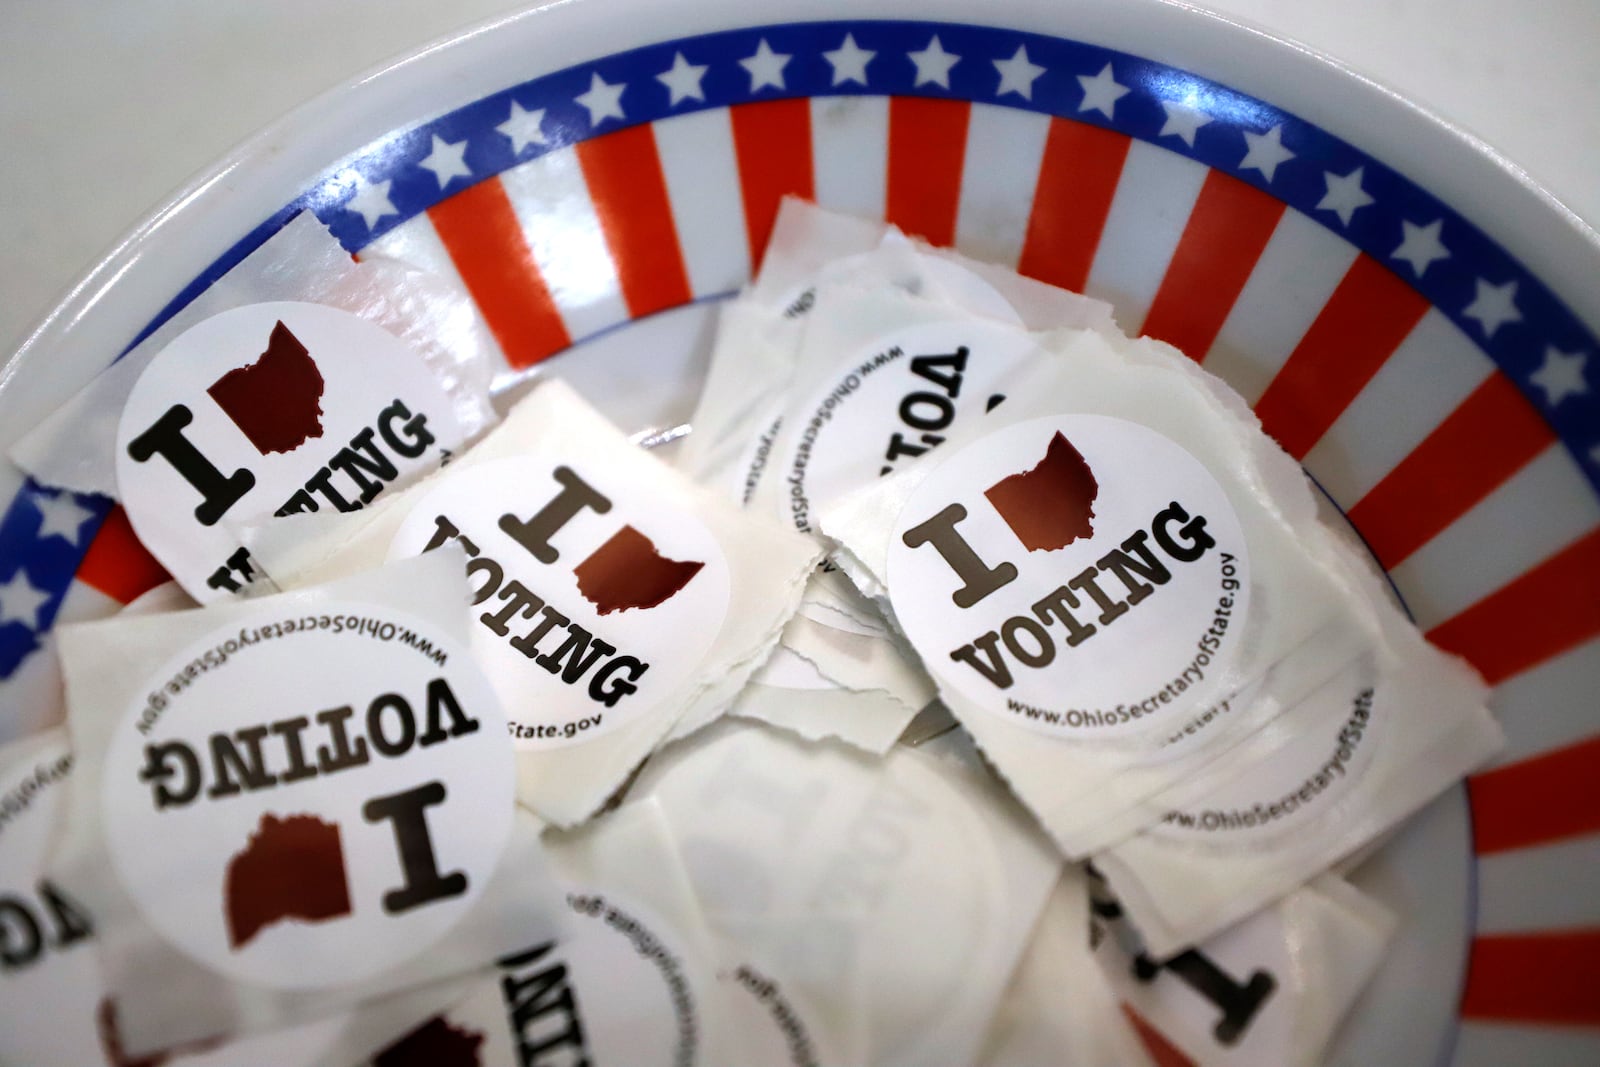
[1434, 388]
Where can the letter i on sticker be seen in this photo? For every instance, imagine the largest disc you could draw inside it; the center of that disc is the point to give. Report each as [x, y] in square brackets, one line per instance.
[276, 404]
[625, 573]
[293, 867]
[1047, 507]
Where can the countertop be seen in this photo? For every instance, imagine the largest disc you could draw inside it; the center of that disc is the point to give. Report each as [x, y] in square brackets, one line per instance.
[107, 107]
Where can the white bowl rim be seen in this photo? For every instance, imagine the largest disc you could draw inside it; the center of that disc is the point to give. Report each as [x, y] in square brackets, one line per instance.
[175, 242]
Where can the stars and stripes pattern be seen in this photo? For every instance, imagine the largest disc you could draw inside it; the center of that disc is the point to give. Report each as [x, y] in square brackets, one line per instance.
[1242, 144]
[54, 531]
[67, 558]
[1442, 395]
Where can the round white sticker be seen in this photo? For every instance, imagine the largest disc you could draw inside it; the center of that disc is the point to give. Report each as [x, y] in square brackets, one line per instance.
[1250, 1007]
[596, 596]
[755, 457]
[636, 985]
[618, 990]
[1081, 575]
[890, 403]
[270, 409]
[775, 1024]
[913, 981]
[49, 981]
[306, 801]
[1190, 735]
[1305, 779]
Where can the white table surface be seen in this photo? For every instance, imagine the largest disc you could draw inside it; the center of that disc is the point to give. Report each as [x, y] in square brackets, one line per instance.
[108, 106]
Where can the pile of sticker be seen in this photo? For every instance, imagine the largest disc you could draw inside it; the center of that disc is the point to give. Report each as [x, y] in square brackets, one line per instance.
[973, 685]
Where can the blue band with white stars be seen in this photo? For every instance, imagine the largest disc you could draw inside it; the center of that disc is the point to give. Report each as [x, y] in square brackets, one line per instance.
[1523, 327]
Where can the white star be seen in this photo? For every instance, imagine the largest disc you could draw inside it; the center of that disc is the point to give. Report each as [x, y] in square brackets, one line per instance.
[1561, 375]
[765, 67]
[1101, 92]
[1493, 306]
[1266, 151]
[933, 64]
[21, 601]
[524, 127]
[1420, 246]
[447, 161]
[1344, 195]
[683, 80]
[849, 62]
[1017, 75]
[603, 101]
[371, 201]
[61, 516]
[1182, 121]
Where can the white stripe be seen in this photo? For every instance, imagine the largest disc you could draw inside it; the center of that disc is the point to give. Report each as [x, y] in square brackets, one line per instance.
[1549, 706]
[84, 603]
[559, 222]
[1149, 210]
[1494, 1045]
[416, 243]
[702, 175]
[1551, 887]
[1435, 368]
[1540, 510]
[850, 153]
[996, 201]
[1300, 267]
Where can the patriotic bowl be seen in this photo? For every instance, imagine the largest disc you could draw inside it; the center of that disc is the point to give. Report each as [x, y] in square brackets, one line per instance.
[1408, 316]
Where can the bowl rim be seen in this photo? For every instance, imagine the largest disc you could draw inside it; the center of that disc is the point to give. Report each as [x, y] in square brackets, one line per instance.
[261, 178]
[114, 300]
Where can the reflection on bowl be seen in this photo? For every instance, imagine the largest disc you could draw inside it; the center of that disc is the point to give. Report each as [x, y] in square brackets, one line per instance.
[1435, 386]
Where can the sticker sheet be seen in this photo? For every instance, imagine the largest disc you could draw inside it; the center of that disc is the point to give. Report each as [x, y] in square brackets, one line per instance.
[290, 805]
[612, 600]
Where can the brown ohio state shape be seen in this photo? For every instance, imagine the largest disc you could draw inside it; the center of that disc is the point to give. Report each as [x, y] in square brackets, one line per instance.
[627, 572]
[436, 1043]
[277, 400]
[291, 868]
[1051, 505]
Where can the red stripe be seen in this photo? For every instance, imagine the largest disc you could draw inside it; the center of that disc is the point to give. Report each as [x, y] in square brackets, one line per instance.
[484, 237]
[927, 150]
[1077, 179]
[1162, 1052]
[772, 142]
[1553, 607]
[629, 190]
[1224, 237]
[1546, 978]
[1362, 323]
[117, 564]
[1550, 797]
[1488, 438]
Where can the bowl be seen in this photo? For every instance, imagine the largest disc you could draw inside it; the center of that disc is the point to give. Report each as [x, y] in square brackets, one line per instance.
[1409, 317]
